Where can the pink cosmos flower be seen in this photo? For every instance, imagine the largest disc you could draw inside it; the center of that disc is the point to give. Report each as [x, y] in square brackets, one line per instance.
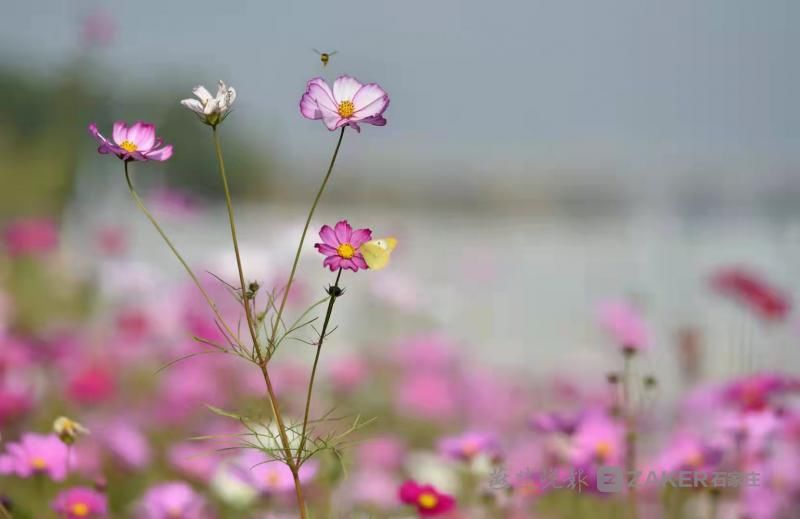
[271, 476]
[172, 499]
[767, 301]
[623, 322]
[30, 237]
[340, 246]
[598, 439]
[429, 501]
[466, 446]
[80, 503]
[138, 142]
[36, 454]
[346, 104]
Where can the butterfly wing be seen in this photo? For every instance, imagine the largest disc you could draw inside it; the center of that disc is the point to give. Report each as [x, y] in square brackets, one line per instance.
[377, 252]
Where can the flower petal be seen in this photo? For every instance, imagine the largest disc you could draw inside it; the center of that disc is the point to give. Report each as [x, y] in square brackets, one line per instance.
[120, 132]
[344, 88]
[343, 231]
[359, 261]
[331, 118]
[328, 236]
[143, 135]
[333, 262]
[309, 108]
[201, 92]
[326, 249]
[367, 95]
[409, 492]
[193, 104]
[321, 94]
[359, 237]
[161, 154]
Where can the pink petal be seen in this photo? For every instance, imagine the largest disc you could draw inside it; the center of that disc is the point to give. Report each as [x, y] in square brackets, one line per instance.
[332, 119]
[326, 249]
[344, 88]
[309, 108]
[358, 261]
[120, 132]
[160, 154]
[320, 92]
[343, 231]
[143, 135]
[349, 264]
[370, 95]
[333, 262]
[360, 236]
[328, 236]
[409, 492]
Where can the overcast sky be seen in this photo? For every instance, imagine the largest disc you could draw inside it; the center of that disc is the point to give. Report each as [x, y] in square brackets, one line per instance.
[631, 87]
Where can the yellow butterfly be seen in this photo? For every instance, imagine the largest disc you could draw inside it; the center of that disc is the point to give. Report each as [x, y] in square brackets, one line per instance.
[376, 252]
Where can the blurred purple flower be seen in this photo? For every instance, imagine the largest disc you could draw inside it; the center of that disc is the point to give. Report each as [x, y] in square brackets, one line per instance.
[346, 104]
[171, 500]
[125, 442]
[623, 322]
[340, 246]
[138, 142]
[426, 395]
[31, 237]
[271, 476]
[385, 452]
[597, 439]
[193, 460]
[36, 454]
[468, 445]
[80, 503]
[347, 373]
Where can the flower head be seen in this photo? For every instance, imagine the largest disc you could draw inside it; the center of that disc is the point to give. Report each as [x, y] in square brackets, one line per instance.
[767, 301]
[340, 246]
[172, 499]
[429, 501]
[138, 142]
[270, 476]
[346, 104]
[623, 322]
[211, 110]
[80, 503]
[467, 446]
[36, 454]
[31, 237]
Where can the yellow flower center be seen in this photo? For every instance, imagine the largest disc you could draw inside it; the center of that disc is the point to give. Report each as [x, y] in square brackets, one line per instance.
[79, 509]
[38, 463]
[346, 251]
[695, 460]
[128, 146]
[603, 450]
[346, 109]
[470, 448]
[273, 478]
[427, 500]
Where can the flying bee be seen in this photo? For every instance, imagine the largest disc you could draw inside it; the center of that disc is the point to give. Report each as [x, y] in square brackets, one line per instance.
[324, 57]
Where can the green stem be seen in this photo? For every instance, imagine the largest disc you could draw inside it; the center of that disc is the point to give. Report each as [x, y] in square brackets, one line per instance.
[630, 432]
[177, 254]
[334, 293]
[232, 221]
[274, 333]
[273, 400]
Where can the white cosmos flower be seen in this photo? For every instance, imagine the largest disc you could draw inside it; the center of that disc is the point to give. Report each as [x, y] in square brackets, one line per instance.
[212, 110]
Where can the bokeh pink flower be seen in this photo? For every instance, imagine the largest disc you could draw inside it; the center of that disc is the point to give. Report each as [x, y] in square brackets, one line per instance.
[80, 503]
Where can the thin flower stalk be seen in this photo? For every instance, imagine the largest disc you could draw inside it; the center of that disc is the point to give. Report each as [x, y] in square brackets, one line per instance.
[334, 292]
[630, 430]
[274, 333]
[177, 254]
[262, 360]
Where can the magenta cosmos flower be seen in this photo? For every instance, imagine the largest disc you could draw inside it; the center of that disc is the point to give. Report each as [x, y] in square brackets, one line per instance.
[340, 246]
[36, 454]
[346, 104]
[31, 237]
[623, 322]
[172, 499]
[138, 142]
[80, 503]
[429, 501]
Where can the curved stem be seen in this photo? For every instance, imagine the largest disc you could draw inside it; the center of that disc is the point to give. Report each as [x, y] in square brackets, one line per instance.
[4, 512]
[177, 254]
[334, 293]
[247, 312]
[274, 333]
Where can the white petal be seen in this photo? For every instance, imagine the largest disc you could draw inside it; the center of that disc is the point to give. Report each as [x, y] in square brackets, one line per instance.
[193, 104]
[201, 92]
